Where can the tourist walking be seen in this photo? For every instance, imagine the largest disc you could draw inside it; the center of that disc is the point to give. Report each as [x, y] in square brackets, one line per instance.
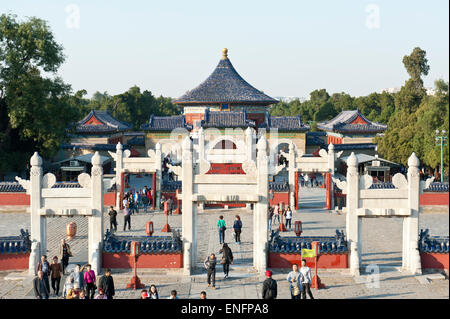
[78, 277]
[44, 266]
[126, 218]
[270, 217]
[89, 279]
[40, 288]
[227, 258]
[210, 265]
[288, 215]
[55, 275]
[222, 227]
[112, 218]
[153, 293]
[145, 201]
[64, 254]
[106, 283]
[295, 282]
[269, 288]
[306, 280]
[169, 205]
[237, 227]
[276, 213]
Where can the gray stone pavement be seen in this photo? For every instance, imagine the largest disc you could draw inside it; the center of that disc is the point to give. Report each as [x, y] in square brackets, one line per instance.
[381, 246]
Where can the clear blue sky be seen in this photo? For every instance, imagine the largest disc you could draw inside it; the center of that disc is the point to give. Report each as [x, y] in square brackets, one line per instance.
[285, 48]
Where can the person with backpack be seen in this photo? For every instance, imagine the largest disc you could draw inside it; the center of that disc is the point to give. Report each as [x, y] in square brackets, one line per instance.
[237, 227]
[210, 265]
[269, 289]
[222, 227]
[112, 218]
[227, 259]
[294, 279]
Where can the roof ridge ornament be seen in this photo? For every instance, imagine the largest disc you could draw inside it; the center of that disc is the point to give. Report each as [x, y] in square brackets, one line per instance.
[224, 53]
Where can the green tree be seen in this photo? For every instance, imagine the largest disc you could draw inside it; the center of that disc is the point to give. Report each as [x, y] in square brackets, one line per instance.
[33, 111]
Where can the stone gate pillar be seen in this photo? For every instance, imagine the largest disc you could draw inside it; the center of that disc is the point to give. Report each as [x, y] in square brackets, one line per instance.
[158, 172]
[95, 245]
[331, 170]
[189, 216]
[411, 236]
[353, 223]
[260, 215]
[292, 180]
[119, 167]
[38, 222]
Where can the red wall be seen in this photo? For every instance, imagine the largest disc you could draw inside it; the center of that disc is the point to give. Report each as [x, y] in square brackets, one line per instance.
[123, 260]
[434, 260]
[19, 199]
[434, 199]
[334, 139]
[14, 261]
[279, 197]
[326, 261]
[22, 199]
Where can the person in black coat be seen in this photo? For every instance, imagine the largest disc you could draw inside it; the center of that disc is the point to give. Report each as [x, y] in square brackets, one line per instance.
[269, 289]
[106, 282]
[237, 226]
[112, 218]
[40, 288]
[227, 258]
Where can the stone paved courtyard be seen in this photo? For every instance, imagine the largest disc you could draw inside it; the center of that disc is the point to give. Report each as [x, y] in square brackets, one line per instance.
[381, 246]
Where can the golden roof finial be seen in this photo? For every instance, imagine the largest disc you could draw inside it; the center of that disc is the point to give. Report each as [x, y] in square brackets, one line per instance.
[224, 53]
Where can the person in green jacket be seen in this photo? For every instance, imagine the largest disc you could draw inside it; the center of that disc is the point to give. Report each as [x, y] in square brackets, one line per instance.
[222, 228]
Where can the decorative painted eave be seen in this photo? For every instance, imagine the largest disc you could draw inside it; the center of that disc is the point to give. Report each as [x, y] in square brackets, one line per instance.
[165, 123]
[351, 122]
[285, 123]
[100, 122]
[228, 119]
[225, 85]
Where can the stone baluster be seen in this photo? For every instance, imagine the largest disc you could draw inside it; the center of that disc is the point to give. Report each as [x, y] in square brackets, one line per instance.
[38, 222]
[96, 220]
[353, 223]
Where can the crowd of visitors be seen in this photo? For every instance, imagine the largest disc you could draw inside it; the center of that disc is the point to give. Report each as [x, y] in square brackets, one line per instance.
[274, 214]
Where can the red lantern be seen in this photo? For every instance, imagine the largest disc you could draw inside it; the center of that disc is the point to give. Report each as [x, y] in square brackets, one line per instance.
[135, 248]
[135, 251]
[316, 283]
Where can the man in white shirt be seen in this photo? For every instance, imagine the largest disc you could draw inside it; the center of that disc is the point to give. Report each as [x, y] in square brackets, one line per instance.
[306, 280]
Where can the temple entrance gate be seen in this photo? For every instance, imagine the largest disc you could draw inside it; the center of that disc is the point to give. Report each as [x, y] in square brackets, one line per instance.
[46, 201]
[199, 187]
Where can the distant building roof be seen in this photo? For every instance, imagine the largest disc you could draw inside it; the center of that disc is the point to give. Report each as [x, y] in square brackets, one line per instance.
[101, 122]
[351, 122]
[284, 123]
[225, 85]
[225, 119]
[353, 146]
[166, 123]
[93, 147]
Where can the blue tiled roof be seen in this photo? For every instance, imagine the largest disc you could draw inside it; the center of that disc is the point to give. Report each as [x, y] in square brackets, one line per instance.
[382, 185]
[225, 85]
[16, 244]
[225, 119]
[93, 147]
[353, 146]
[341, 123]
[328, 244]
[433, 244]
[149, 244]
[166, 123]
[171, 186]
[11, 187]
[279, 186]
[109, 123]
[437, 188]
[284, 123]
